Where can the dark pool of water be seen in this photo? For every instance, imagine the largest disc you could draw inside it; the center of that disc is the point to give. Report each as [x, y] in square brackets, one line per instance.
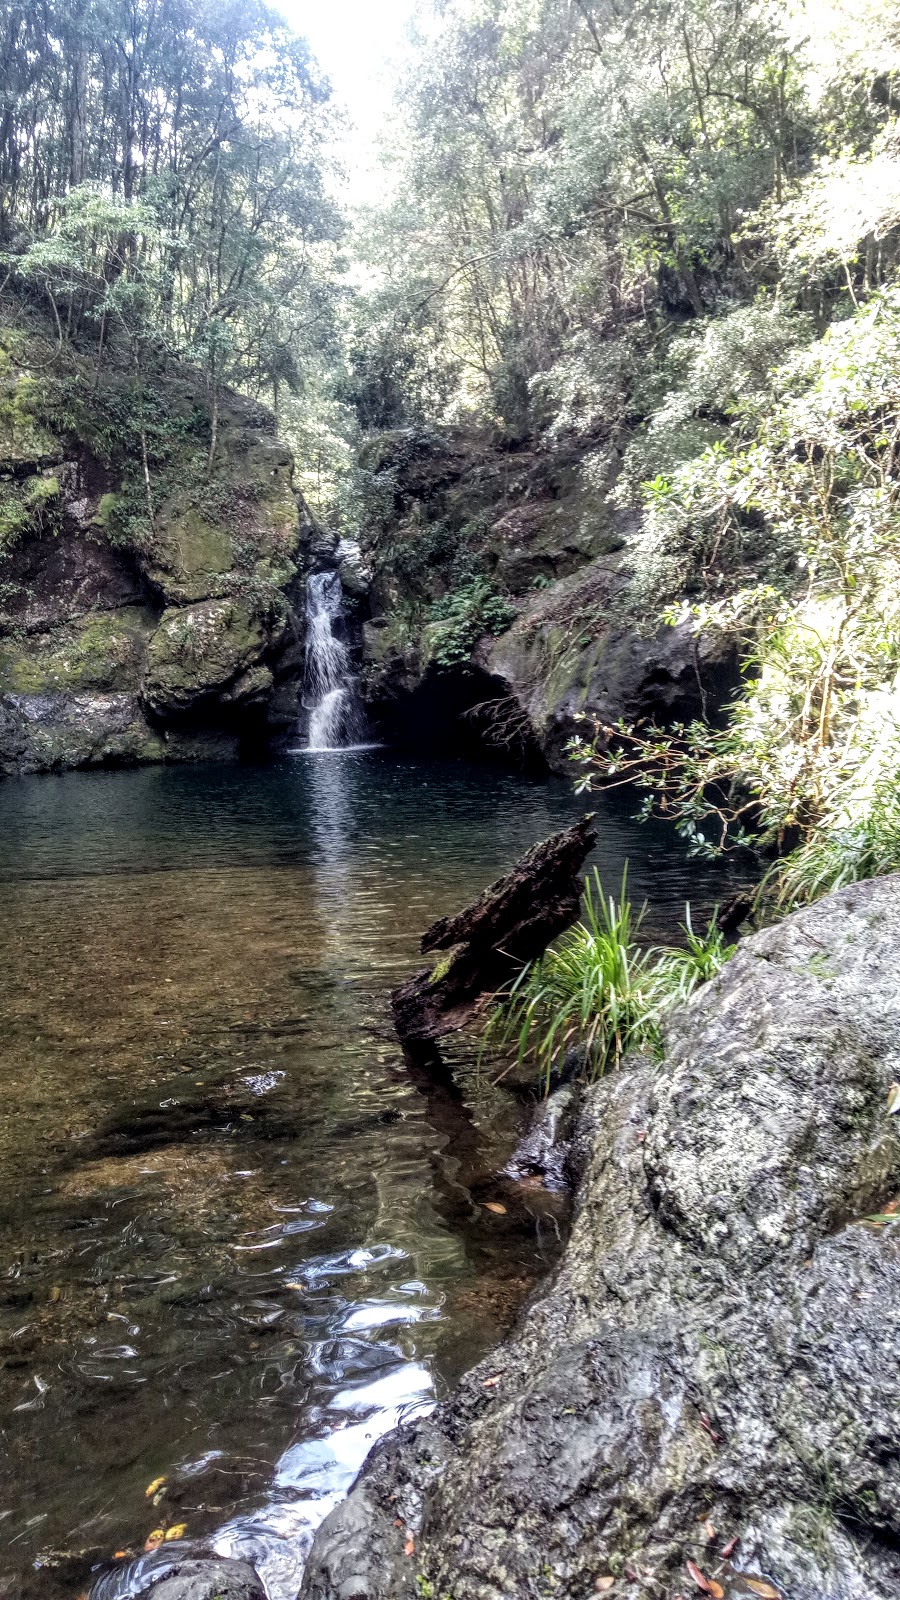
[239, 1239]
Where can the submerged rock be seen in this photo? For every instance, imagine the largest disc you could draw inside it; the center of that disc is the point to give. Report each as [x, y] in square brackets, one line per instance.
[180, 1573]
[712, 1376]
[546, 1149]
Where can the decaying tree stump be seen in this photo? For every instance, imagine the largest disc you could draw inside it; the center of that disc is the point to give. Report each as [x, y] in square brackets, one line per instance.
[492, 939]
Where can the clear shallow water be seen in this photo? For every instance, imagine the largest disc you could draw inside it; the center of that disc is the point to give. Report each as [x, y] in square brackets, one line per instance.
[239, 1238]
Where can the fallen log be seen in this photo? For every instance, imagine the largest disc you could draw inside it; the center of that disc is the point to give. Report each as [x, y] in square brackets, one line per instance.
[492, 939]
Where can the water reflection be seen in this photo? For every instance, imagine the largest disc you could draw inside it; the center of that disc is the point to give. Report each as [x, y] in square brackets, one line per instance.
[239, 1238]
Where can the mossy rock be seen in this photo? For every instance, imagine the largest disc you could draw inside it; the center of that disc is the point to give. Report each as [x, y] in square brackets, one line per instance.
[28, 506]
[104, 651]
[244, 520]
[24, 440]
[199, 652]
[54, 731]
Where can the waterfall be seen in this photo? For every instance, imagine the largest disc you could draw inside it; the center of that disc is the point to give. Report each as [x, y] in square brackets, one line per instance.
[329, 691]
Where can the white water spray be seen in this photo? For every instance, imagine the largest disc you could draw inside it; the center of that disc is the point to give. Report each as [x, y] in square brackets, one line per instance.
[329, 692]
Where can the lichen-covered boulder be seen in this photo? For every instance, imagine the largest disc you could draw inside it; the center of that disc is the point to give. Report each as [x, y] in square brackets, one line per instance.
[712, 1378]
[201, 653]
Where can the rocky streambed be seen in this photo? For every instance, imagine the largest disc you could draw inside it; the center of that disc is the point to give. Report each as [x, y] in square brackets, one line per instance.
[706, 1397]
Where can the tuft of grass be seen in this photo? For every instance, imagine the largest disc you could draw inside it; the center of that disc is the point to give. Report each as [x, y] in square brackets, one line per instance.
[680, 971]
[597, 992]
[867, 847]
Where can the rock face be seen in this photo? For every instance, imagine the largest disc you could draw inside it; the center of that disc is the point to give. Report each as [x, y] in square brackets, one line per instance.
[540, 531]
[713, 1374]
[126, 636]
[568, 655]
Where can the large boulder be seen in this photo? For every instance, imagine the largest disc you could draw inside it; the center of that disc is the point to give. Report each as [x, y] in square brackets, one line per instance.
[208, 652]
[574, 653]
[712, 1377]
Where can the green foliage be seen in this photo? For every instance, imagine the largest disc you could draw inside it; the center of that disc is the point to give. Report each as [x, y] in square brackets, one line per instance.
[176, 208]
[460, 619]
[679, 971]
[806, 501]
[27, 506]
[597, 992]
[846, 852]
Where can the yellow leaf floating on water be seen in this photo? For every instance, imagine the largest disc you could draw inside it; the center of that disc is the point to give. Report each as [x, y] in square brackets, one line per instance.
[177, 1531]
[152, 1488]
[153, 1539]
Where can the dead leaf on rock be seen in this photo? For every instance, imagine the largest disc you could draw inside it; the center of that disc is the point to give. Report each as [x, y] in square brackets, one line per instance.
[604, 1583]
[767, 1591]
[409, 1549]
[701, 1580]
[496, 1207]
[893, 1105]
[729, 1548]
[155, 1538]
[177, 1531]
[491, 1383]
[709, 1530]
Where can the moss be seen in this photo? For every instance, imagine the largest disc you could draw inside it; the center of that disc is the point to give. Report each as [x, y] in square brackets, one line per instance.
[23, 435]
[443, 967]
[106, 510]
[104, 652]
[200, 548]
[30, 505]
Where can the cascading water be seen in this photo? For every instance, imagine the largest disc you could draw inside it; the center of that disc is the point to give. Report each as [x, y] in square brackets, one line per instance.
[336, 718]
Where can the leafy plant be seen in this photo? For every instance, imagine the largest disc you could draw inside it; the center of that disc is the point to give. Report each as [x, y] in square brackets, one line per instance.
[463, 616]
[679, 972]
[868, 847]
[597, 992]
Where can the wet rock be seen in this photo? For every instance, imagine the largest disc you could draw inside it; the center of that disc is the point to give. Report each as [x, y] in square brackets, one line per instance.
[546, 1148]
[716, 1358]
[43, 732]
[180, 1572]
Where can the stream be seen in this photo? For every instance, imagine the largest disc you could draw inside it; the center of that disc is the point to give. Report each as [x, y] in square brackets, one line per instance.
[239, 1238]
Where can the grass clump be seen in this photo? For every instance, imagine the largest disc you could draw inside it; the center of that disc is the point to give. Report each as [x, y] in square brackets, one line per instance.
[849, 851]
[597, 992]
